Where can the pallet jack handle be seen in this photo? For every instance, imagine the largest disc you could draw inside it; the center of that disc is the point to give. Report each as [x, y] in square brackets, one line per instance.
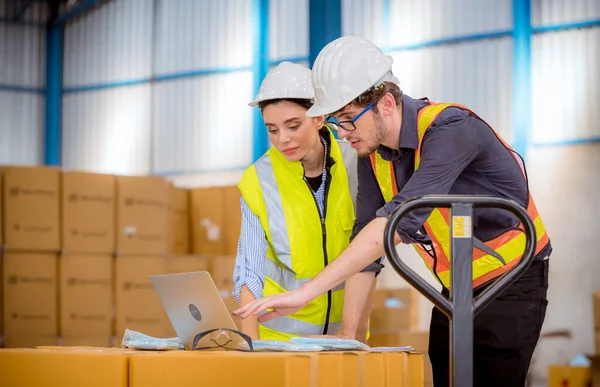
[460, 307]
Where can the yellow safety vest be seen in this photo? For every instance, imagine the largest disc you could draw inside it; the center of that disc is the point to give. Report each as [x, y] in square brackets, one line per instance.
[300, 243]
[510, 245]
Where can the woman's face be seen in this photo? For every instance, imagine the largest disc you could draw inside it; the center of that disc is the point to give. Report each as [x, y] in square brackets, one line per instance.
[290, 130]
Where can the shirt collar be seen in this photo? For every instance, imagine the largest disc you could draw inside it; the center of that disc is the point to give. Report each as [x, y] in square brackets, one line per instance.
[409, 138]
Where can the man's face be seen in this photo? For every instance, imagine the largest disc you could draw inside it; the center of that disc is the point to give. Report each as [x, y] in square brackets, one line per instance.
[370, 128]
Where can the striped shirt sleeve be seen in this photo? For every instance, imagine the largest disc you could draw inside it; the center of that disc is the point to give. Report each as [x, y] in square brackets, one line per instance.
[250, 261]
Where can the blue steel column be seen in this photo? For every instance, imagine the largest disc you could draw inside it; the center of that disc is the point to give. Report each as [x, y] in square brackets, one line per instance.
[385, 21]
[522, 33]
[54, 56]
[325, 25]
[260, 17]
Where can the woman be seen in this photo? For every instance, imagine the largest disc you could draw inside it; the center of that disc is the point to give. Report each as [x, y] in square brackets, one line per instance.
[297, 214]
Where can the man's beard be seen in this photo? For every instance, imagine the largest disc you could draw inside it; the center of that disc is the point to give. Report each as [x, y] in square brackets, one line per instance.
[378, 135]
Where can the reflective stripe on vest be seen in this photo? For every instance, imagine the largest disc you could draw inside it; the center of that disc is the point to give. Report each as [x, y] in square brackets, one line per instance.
[276, 192]
[294, 327]
[510, 245]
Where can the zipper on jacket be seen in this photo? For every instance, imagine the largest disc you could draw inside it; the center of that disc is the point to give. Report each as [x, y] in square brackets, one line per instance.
[324, 239]
[325, 257]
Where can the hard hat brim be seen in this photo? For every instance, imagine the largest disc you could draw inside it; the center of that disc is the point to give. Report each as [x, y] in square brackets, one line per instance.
[317, 111]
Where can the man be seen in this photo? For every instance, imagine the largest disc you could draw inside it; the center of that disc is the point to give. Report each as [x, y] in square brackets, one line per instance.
[411, 148]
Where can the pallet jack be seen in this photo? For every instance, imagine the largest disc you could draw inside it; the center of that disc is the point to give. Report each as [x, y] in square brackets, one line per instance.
[460, 307]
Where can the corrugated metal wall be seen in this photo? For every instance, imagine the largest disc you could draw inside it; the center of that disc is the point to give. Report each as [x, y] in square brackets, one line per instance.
[22, 82]
[366, 19]
[545, 12]
[108, 128]
[110, 44]
[203, 60]
[418, 34]
[417, 21]
[108, 131]
[165, 83]
[565, 80]
[476, 74]
[288, 31]
[184, 72]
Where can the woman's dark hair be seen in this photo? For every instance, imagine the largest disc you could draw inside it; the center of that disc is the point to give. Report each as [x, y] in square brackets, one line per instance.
[305, 103]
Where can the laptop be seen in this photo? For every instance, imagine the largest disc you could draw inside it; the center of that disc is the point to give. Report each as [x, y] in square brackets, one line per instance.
[193, 304]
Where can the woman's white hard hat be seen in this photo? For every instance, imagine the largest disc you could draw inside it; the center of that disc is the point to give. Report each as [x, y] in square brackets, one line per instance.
[286, 80]
[345, 69]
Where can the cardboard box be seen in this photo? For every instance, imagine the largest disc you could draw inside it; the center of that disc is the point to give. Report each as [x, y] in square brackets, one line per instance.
[85, 295]
[233, 216]
[1, 216]
[559, 376]
[1, 296]
[419, 340]
[223, 368]
[208, 221]
[187, 263]
[340, 369]
[414, 370]
[596, 308]
[29, 282]
[394, 310]
[88, 212]
[28, 340]
[374, 369]
[108, 367]
[222, 273]
[595, 370]
[142, 215]
[31, 208]
[26, 368]
[137, 305]
[85, 341]
[179, 230]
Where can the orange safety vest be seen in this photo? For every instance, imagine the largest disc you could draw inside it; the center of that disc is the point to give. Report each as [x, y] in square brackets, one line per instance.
[510, 244]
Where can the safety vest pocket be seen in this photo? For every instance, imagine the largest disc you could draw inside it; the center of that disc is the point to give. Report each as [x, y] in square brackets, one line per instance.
[307, 251]
[272, 287]
[346, 221]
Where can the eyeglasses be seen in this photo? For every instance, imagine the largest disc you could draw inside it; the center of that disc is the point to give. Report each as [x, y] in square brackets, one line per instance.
[348, 125]
[222, 339]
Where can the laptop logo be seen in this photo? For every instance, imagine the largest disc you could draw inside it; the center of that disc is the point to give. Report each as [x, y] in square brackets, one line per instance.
[195, 312]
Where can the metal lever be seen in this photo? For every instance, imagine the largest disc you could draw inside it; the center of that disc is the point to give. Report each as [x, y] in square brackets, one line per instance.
[463, 307]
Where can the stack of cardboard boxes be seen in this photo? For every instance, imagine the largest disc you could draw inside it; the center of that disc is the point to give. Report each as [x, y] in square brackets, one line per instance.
[85, 262]
[31, 240]
[77, 250]
[120, 367]
[394, 323]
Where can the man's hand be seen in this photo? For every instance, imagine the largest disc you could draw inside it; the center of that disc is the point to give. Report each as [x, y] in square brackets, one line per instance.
[280, 305]
[356, 297]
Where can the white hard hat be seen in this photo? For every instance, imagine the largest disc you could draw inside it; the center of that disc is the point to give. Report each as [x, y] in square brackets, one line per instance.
[286, 80]
[345, 69]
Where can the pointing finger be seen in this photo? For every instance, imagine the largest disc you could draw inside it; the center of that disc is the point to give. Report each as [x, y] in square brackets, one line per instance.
[253, 308]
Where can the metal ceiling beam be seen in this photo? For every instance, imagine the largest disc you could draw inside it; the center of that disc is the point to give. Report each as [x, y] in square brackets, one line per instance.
[83, 6]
